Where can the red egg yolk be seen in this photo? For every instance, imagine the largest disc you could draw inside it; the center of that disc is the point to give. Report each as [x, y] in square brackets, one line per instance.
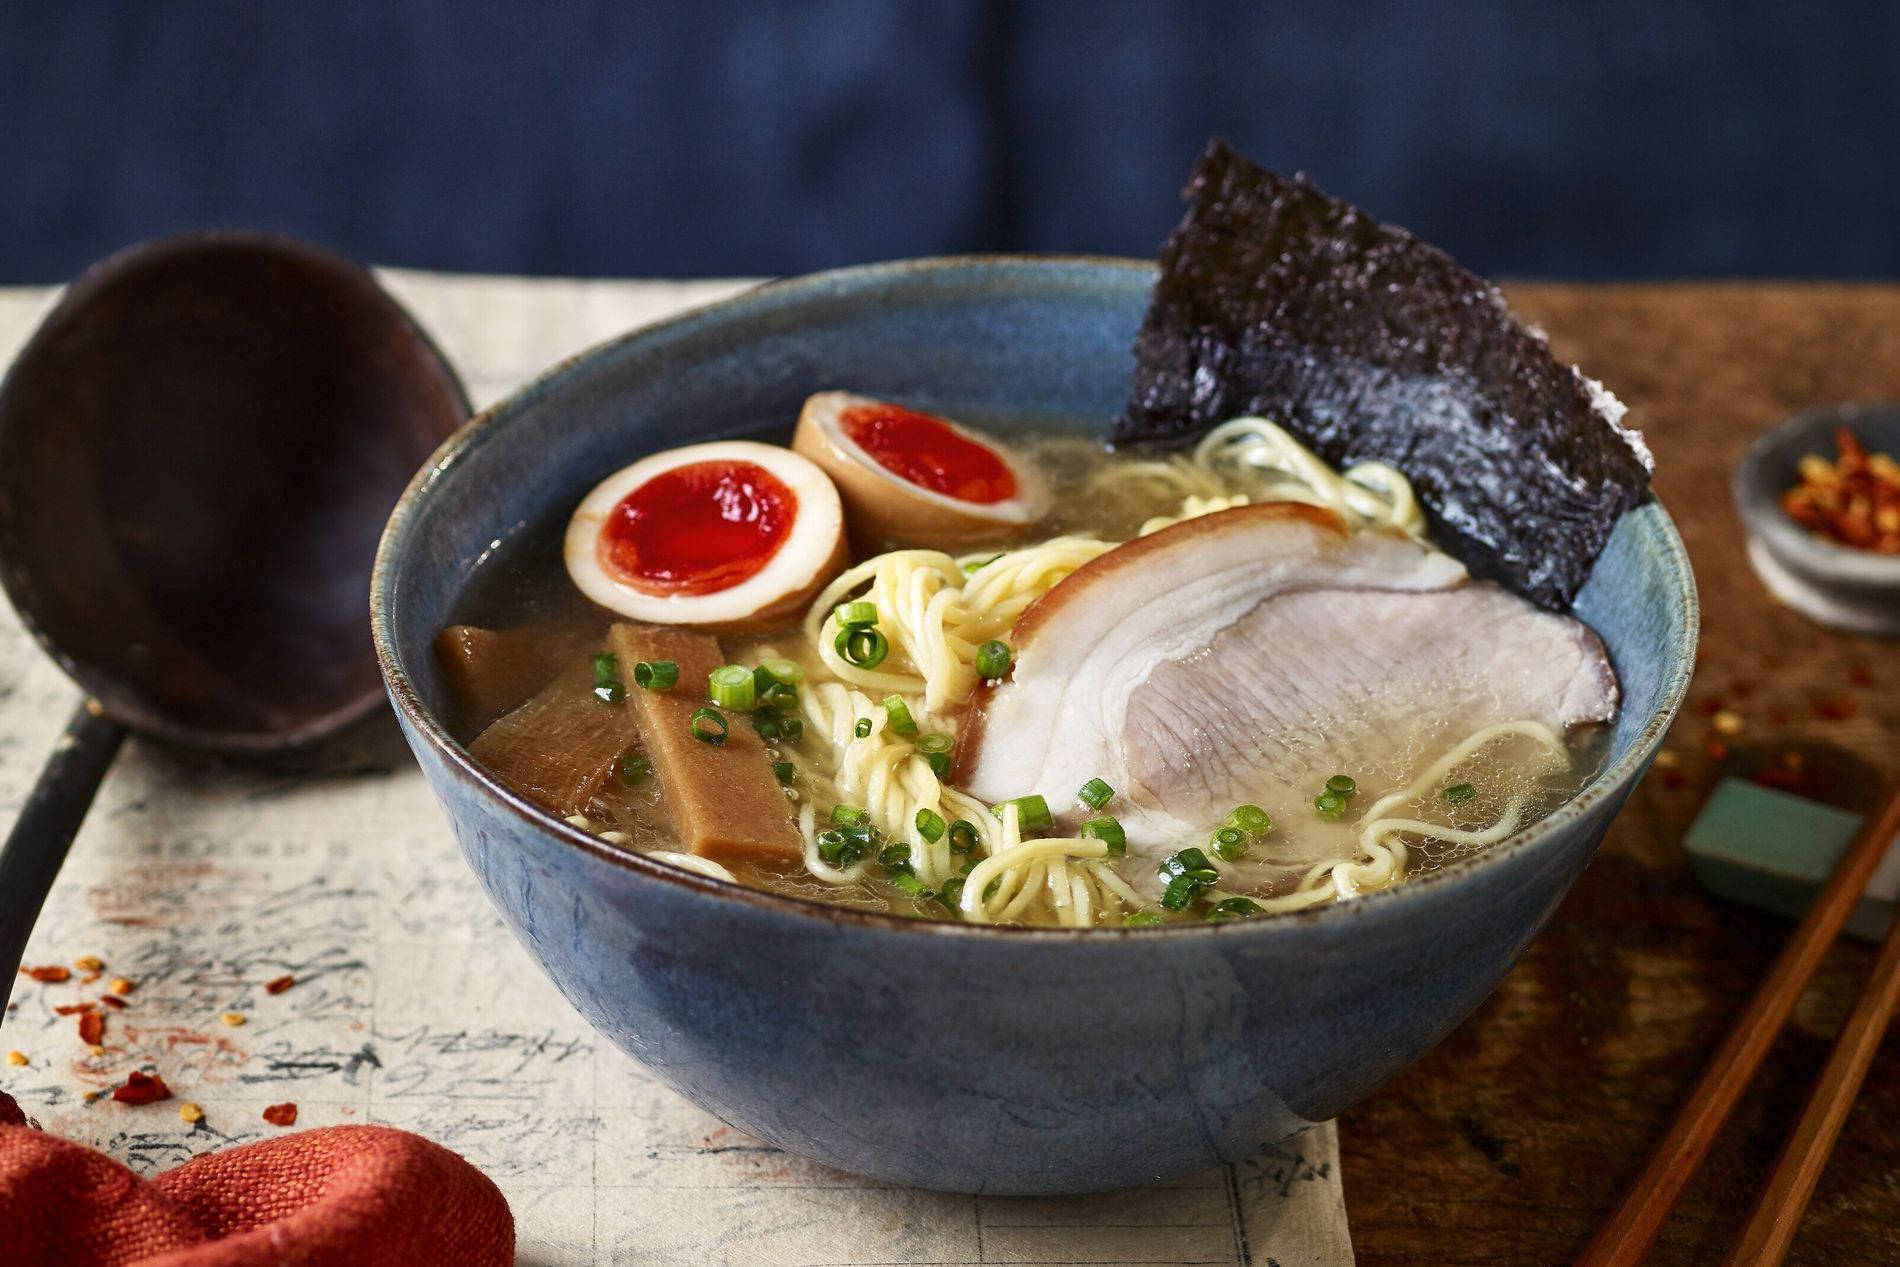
[698, 528]
[929, 453]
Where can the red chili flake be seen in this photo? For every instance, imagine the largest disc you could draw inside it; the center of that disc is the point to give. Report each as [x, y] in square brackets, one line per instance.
[1741, 688]
[1836, 708]
[1718, 750]
[69, 1008]
[52, 972]
[92, 1028]
[1861, 675]
[281, 1114]
[280, 984]
[142, 1088]
[1713, 705]
[112, 1001]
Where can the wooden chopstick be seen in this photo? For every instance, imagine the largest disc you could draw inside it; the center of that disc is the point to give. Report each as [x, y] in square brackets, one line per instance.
[1778, 1210]
[1625, 1237]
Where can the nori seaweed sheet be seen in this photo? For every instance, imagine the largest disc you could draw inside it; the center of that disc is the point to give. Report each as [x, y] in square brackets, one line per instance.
[1369, 345]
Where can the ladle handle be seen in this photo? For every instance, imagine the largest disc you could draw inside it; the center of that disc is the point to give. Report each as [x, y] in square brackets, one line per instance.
[48, 821]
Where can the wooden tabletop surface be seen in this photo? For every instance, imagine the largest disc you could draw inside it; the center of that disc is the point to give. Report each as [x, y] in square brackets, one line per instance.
[1511, 1140]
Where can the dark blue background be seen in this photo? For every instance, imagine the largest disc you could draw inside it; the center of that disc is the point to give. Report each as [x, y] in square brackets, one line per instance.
[1529, 137]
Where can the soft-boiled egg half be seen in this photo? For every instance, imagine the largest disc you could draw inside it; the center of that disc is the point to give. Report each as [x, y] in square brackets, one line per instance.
[911, 478]
[725, 536]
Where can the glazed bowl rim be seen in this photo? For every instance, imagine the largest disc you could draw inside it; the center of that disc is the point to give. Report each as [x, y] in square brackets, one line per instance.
[492, 420]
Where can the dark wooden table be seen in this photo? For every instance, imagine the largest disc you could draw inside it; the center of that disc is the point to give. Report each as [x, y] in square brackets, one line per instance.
[1512, 1140]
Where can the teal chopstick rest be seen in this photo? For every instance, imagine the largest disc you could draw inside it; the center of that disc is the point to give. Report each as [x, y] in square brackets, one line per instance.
[1772, 850]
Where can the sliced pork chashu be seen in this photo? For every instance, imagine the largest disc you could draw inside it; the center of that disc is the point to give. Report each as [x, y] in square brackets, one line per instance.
[1245, 656]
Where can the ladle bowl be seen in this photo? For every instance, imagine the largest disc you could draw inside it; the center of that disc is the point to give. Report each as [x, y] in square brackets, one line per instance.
[198, 448]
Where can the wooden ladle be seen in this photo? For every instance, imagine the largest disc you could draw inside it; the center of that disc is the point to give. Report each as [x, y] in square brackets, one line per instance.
[198, 449]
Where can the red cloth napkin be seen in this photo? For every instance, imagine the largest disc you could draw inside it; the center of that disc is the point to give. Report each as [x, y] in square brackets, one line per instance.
[361, 1195]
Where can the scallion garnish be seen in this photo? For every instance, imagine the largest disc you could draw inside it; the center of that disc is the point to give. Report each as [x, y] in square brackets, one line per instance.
[730, 686]
[838, 849]
[767, 726]
[1032, 812]
[897, 714]
[1235, 908]
[1459, 793]
[1329, 804]
[950, 893]
[785, 772]
[784, 672]
[977, 565]
[791, 729]
[855, 614]
[1189, 874]
[1095, 794]
[963, 836]
[1251, 819]
[849, 816]
[897, 855]
[1109, 831]
[633, 767]
[1341, 785]
[861, 646]
[655, 675]
[607, 687]
[863, 729]
[1142, 919]
[708, 726]
[1230, 843]
[910, 886]
[992, 659]
[939, 764]
[933, 741]
[930, 825]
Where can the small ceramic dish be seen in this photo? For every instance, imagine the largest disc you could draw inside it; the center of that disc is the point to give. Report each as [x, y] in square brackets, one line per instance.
[973, 1058]
[1857, 591]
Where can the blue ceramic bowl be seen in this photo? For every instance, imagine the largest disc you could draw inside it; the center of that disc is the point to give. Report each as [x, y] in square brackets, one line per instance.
[937, 1054]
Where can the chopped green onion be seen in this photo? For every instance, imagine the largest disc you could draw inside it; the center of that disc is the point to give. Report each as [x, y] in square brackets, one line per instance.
[1341, 785]
[910, 886]
[1142, 919]
[989, 890]
[1459, 793]
[930, 825]
[791, 729]
[777, 695]
[939, 764]
[708, 726]
[1251, 819]
[1032, 812]
[768, 727]
[634, 767]
[1230, 843]
[897, 855]
[607, 687]
[730, 686]
[1095, 794]
[784, 672]
[992, 659]
[851, 615]
[1109, 832]
[977, 565]
[849, 816]
[950, 893]
[1189, 874]
[932, 741]
[1329, 804]
[785, 772]
[897, 714]
[655, 675]
[838, 849]
[861, 646]
[963, 837]
[863, 729]
[1235, 908]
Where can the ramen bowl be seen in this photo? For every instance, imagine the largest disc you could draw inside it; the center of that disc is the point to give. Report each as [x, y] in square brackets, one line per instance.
[937, 1054]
